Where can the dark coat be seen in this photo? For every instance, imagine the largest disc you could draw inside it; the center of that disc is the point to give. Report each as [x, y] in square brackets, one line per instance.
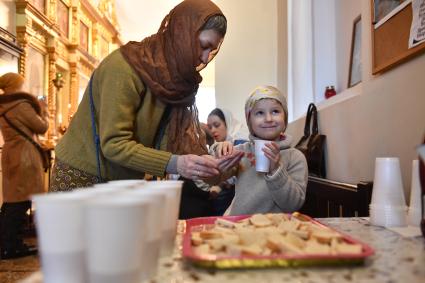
[22, 166]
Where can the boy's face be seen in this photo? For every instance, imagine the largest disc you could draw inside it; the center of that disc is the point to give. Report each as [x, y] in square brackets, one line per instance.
[267, 119]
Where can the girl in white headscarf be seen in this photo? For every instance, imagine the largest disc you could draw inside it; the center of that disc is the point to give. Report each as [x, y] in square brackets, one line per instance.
[282, 188]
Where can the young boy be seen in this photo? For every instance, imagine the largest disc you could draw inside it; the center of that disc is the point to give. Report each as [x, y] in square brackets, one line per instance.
[282, 188]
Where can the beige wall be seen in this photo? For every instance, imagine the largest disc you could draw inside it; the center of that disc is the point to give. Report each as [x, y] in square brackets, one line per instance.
[249, 54]
[382, 117]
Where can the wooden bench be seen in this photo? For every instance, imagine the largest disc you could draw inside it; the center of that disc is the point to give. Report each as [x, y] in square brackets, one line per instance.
[326, 198]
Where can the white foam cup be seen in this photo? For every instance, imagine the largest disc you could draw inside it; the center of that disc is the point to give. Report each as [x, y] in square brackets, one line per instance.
[151, 251]
[388, 216]
[262, 163]
[172, 191]
[116, 226]
[59, 219]
[131, 183]
[387, 184]
[121, 184]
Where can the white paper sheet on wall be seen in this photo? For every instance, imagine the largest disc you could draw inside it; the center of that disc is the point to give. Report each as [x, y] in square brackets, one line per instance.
[417, 29]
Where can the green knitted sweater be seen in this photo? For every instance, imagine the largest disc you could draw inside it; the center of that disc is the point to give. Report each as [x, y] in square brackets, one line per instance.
[127, 119]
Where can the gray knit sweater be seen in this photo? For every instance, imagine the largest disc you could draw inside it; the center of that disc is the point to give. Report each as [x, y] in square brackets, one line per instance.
[284, 191]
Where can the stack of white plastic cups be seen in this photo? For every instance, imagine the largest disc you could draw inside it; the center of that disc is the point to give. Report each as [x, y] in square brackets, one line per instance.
[414, 214]
[112, 232]
[172, 191]
[388, 206]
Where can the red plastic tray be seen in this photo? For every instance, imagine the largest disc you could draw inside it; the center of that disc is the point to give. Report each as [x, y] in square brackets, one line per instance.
[225, 262]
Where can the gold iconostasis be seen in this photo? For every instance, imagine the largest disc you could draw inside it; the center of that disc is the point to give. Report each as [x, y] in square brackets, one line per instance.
[60, 43]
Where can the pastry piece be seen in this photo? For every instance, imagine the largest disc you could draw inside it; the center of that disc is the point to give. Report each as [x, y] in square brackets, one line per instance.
[287, 226]
[289, 247]
[210, 234]
[252, 250]
[196, 239]
[303, 234]
[345, 248]
[276, 218]
[274, 243]
[325, 235]
[269, 234]
[223, 230]
[313, 247]
[220, 244]
[295, 240]
[203, 249]
[225, 223]
[260, 220]
[250, 237]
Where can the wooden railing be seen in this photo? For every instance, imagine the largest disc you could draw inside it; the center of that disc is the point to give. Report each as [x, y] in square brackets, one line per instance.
[326, 198]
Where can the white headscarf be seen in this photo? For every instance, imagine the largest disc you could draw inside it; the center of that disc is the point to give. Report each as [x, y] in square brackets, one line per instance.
[262, 92]
[235, 129]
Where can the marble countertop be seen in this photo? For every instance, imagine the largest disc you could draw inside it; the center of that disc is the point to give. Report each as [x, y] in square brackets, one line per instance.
[396, 259]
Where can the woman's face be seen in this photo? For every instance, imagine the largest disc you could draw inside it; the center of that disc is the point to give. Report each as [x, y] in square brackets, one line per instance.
[267, 119]
[217, 128]
[210, 42]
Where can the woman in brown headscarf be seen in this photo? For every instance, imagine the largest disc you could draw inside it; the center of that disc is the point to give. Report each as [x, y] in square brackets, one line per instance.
[22, 166]
[143, 98]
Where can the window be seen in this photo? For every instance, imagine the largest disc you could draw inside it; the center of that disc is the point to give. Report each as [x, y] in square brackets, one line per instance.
[63, 17]
[84, 37]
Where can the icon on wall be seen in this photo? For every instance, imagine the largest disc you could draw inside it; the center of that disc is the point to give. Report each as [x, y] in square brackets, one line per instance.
[355, 72]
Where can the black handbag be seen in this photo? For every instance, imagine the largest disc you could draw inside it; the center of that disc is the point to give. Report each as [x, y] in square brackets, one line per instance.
[312, 144]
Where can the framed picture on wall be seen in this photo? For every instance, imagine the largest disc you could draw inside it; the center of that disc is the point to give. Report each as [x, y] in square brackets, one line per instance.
[381, 8]
[355, 71]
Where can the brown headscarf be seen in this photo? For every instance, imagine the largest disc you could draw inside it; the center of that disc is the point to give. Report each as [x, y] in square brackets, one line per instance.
[11, 82]
[166, 63]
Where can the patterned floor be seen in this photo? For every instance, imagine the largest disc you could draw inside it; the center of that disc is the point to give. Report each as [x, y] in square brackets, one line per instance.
[14, 270]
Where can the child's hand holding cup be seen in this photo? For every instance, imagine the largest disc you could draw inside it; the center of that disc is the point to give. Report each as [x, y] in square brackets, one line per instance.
[262, 163]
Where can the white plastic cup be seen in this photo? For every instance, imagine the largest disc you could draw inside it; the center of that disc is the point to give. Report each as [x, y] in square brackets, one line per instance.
[262, 163]
[387, 184]
[388, 216]
[172, 191]
[151, 251]
[121, 184]
[130, 183]
[118, 186]
[60, 229]
[116, 235]
[414, 213]
[388, 206]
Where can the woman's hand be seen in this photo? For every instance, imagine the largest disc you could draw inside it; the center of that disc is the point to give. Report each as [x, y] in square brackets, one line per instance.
[197, 167]
[228, 161]
[272, 152]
